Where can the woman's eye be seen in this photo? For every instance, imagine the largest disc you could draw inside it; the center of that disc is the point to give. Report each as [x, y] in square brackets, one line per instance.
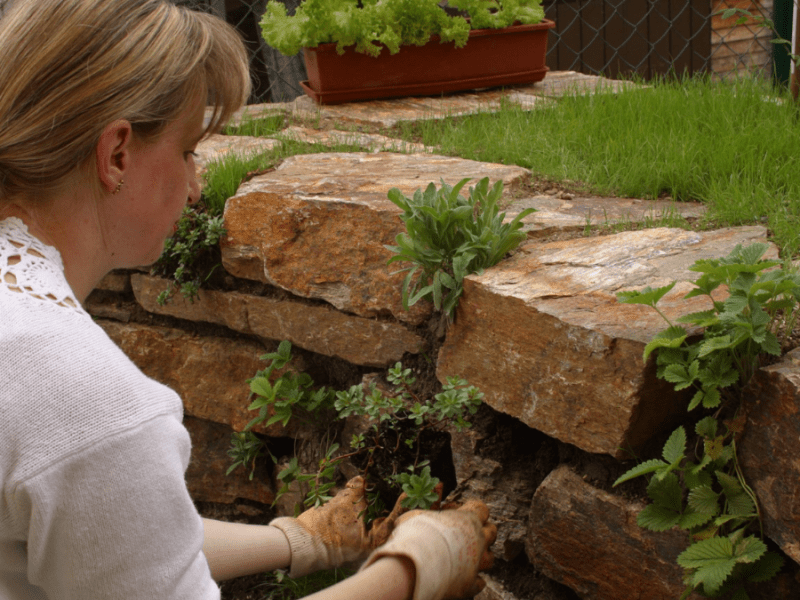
[188, 154]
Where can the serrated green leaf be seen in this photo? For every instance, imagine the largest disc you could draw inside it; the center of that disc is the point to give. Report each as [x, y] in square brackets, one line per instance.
[765, 568]
[657, 518]
[714, 344]
[749, 550]
[700, 553]
[666, 492]
[691, 519]
[678, 375]
[704, 318]
[712, 561]
[739, 502]
[734, 304]
[696, 475]
[711, 398]
[771, 345]
[675, 448]
[671, 337]
[649, 466]
[696, 399]
[704, 500]
[706, 427]
[648, 295]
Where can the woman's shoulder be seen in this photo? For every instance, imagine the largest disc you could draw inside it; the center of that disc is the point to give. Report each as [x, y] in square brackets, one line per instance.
[66, 384]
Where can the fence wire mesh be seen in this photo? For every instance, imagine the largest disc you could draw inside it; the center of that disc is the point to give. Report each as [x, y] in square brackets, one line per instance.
[616, 38]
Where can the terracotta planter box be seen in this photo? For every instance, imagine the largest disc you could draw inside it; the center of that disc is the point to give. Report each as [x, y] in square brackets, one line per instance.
[491, 57]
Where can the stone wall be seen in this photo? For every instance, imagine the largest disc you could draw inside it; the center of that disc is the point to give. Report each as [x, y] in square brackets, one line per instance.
[568, 398]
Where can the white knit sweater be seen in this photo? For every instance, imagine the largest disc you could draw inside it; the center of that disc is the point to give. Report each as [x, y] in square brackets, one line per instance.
[93, 502]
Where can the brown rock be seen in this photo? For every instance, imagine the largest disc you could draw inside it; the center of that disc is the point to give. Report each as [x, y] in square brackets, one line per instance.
[206, 478]
[543, 336]
[505, 488]
[317, 328]
[588, 539]
[770, 448]
[116, 281]
[210, 374]
[317, 225]
[566, 212]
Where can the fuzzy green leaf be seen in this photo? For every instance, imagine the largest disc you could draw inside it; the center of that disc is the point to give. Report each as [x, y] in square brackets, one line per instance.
[691, 519]
[739, 502]
[704, 500]
[648, 295]
[671, 337]
[706, 427]
[675, 448]
[722, 342]
[657, 518]
[680, 375]
[711, 398]
[712, 561]
[649, 466]
[704, 318]
[765, 568]
[666, 492]
[771, 345]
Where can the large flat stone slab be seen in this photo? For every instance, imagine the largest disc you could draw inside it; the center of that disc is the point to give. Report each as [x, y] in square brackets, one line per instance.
[543, 336]
[318, 328]
[370, 141]
[575, 213]
[769, 450]
[317, 226]
[387, 113]
[209, 374]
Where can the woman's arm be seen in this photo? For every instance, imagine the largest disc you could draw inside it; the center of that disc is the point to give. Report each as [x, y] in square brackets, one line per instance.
[236, 549]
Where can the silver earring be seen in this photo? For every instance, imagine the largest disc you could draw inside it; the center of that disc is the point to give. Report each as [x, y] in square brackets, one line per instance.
[119, 186]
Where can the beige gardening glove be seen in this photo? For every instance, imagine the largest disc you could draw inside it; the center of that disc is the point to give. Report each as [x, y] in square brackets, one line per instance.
[448, 549]
[334, 535]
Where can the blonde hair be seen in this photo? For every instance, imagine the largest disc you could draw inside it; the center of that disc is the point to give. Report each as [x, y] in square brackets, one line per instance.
[68, 68]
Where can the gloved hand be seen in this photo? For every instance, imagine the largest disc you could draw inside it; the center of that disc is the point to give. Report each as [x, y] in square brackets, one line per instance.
[334, 535]
[448, 548]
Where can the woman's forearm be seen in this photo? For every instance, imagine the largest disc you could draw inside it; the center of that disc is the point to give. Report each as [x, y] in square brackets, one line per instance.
[388, 578]
[237, 549]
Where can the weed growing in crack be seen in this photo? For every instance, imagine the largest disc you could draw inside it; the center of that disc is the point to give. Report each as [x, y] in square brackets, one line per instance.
[705, 493]
[449, 237]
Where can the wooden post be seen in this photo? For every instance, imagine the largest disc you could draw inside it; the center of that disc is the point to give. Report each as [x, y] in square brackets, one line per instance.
[794, 83]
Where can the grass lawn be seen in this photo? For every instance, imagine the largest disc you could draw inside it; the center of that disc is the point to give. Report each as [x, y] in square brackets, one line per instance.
[733, 146]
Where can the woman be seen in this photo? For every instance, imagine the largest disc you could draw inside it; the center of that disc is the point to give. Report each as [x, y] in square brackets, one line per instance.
[101, 107]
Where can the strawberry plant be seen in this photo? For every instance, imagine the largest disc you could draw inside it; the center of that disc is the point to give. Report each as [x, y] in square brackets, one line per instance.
[704, 492]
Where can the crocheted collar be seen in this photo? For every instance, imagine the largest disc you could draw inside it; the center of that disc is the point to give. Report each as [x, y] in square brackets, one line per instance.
[32, 268]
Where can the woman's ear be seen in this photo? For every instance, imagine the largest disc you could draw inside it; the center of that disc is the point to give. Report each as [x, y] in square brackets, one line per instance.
[113, 154]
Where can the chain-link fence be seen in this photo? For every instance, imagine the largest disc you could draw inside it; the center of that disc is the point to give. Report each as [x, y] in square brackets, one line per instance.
[616, 38]
[655, 37]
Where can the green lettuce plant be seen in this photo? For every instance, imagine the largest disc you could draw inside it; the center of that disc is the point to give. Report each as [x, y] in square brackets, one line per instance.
[449, 236]
[370, 25]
